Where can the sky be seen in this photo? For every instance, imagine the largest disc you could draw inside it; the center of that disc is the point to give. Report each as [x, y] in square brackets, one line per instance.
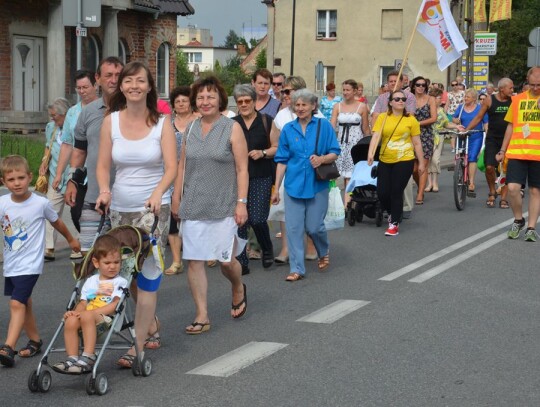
[221, 16]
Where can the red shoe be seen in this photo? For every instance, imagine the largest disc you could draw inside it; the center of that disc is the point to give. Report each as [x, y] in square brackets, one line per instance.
[393, 230]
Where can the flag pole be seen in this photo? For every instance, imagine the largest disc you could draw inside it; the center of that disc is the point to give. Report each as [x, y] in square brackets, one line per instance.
[406, 56]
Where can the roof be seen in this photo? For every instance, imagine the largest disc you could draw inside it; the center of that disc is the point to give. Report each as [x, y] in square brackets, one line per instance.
[178, 7]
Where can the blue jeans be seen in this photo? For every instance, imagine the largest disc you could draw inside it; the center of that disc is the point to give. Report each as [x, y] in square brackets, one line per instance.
[305, 216]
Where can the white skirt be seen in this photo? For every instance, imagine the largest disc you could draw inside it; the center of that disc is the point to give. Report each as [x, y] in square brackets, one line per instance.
[211, 239]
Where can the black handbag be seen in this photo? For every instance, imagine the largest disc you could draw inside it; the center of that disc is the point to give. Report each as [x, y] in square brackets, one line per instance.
[325, 172]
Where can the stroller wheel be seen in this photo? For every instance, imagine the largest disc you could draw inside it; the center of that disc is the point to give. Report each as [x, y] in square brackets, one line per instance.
[90, 385]
[33, 382]
[101, 384]
[351, 217]
[44, 381]
[359, 216]
[146, 367]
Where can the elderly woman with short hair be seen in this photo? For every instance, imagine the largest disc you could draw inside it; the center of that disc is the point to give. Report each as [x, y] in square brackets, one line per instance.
[53, 134]
[306, 197]
[261, 149]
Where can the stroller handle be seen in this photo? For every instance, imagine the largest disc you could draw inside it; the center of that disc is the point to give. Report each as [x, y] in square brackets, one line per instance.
[154, 225]
[101, 221]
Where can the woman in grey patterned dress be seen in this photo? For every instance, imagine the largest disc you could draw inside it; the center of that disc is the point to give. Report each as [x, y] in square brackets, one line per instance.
[211, 191]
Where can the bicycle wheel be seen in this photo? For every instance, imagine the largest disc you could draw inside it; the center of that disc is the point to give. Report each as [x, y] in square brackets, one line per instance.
[460, 188]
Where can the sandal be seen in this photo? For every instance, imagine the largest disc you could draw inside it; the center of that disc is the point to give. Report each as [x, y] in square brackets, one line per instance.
[32, 347]
[490, 203]
[239, 305]
[324, 262]
[63, 367]
[176, 268]
[211, 263]
[154, 340]
[503, 204]
[7, 356]
[294, 277]
[190, 330]
[126, 361]
[85, 364]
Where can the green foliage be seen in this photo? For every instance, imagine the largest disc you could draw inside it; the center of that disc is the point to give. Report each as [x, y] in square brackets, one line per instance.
[231, 40]
[30, 147]
[260, 61]
[513, 41]
[184, 77]
[217, 66]
[230, 75]
[253, 43]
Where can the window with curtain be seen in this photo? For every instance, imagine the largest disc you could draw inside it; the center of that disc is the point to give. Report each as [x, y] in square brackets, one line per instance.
[162, 63]
[326, 24]
[194, 57]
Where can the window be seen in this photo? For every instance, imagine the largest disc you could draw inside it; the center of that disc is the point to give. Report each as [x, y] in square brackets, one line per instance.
[329, 76]
[194, 57]
[162, 63]
[91, 53]
[326, 24]
[391, 24]
[122, 51]
[385, 70]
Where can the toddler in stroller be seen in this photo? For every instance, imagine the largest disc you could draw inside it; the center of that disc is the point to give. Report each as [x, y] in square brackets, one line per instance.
[99, 310]
[363, 186]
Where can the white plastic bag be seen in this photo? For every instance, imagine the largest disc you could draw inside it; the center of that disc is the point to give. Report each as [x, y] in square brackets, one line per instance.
[335, 216]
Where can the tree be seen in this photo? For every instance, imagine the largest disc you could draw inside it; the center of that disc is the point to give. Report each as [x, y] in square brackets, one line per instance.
[231, 40]
[253, 43]
[260, 60]
[513, 41]
[184, 77]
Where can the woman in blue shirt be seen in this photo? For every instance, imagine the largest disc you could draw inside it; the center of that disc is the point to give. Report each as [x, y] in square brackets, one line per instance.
[463, 115]
[306, 198]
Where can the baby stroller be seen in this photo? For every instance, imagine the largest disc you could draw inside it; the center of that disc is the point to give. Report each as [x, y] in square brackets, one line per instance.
[136, 245]
[363, 186]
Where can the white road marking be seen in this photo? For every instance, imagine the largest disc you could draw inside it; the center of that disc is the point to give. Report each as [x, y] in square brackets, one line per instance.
[445, 251]
[331, 313]
[458, 259]
[238, 359]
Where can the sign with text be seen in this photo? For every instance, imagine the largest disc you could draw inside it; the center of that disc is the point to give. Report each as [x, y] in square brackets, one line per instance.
[485, 43]
[480, 71]
[90, 13]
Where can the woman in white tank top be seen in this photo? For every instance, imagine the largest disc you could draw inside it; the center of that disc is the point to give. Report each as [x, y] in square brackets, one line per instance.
[142, 146]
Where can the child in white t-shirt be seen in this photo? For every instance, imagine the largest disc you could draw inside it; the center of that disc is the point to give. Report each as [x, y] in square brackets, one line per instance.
[99, 297]
[23, 215]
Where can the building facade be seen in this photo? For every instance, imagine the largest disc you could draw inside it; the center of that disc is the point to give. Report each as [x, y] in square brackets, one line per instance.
[362, 40]
[201, 58]
[192, 33]
[39, 53]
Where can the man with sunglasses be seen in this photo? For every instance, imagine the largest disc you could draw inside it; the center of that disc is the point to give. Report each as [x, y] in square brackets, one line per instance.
[381, 105]
[277, 85]
[520, 146]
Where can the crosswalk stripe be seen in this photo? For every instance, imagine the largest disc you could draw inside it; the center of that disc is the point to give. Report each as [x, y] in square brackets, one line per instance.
[447, 250]
[458, 259]
[238, 359]
[331, 313]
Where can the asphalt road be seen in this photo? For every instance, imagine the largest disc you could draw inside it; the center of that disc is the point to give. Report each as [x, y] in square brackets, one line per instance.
[385, 326]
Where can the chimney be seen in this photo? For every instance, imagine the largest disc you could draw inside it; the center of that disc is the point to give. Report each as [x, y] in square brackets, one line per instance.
[241, 49]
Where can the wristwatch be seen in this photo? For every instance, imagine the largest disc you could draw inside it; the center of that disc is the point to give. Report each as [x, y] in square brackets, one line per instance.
[242, 200]
[264, 153]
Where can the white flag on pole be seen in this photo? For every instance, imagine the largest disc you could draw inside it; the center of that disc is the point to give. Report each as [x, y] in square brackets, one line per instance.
[436, 24]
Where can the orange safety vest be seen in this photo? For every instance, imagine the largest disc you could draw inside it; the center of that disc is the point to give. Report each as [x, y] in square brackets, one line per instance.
[525, 111]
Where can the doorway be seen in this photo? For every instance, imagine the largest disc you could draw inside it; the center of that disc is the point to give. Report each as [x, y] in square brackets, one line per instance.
[28, 74]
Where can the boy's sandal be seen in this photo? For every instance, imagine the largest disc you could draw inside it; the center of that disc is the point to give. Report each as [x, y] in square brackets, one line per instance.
[154, 340]
[324, 262]
[503, 204]
[63, 367]
[32, 347]
[83, 365]
[126, 361]
[7, 355]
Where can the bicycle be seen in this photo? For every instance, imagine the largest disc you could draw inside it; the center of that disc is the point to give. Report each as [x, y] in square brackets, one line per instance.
[461, 167]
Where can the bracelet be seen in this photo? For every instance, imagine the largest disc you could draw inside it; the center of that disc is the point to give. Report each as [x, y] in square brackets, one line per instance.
[105, 192]
[502, 151]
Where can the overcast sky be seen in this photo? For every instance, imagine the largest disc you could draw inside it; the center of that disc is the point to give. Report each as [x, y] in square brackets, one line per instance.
[221, 16]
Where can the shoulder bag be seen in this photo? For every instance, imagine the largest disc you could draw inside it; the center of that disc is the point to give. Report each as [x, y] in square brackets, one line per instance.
[325, 172]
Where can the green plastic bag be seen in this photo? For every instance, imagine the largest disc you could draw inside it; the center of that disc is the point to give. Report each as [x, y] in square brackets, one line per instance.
[480, 163]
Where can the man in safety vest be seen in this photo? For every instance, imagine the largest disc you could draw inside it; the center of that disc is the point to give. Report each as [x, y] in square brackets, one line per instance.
[521, 146]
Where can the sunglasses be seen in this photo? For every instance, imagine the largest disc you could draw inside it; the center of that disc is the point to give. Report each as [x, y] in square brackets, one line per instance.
[277, 83]
[402, 99]
[286, 91]
[420, 85]
[242, 102]
[454, 84]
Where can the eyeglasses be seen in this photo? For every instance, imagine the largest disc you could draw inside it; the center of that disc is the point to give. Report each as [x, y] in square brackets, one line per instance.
[286, 91]
[402, 99]
[420, 85]
[531, 85]
[277, 83]
[454, 84]
[241, 102]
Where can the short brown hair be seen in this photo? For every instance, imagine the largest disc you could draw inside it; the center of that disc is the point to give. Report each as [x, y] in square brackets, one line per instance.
[394, 73]
[352, 83]
[265, 73]
[14, 162]
[105, 245]
[209, 83]
[109, 60]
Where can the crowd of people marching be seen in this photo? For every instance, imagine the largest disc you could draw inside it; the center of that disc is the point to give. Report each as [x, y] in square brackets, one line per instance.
[213, 178]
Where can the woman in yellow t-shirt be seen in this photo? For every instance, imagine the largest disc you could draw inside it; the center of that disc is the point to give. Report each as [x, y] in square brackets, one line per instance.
[399, 134]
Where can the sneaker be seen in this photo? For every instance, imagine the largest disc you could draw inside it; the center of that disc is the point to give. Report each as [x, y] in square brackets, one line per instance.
[75, 255]
[393, 230]
[516, 227]
[531, 235]
[49, 255]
